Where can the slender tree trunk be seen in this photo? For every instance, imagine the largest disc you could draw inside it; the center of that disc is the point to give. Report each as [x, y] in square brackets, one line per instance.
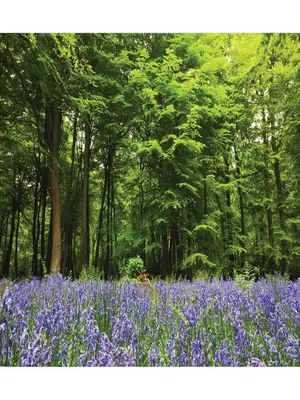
[16, 242]
[5, 271]
[34, 227]
[113, 234]
[85, 239]
[49, 246]
[68, 225]
[55, 202]
[165, 246]
[271, 261]
[74, 256]
[107, 267]
[44, 188]
[223, 231]
[174, 242]
[3, 226]
[280, 199]
[166, 269]
[100, 219]
[229, 240]
[242, 208]
[205, 198]
[5, 236]
[142, 203]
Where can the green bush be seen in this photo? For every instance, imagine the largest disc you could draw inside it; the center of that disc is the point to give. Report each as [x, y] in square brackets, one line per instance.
[133, 267]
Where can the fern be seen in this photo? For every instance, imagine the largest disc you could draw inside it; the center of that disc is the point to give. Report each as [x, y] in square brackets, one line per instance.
[205, 227]
[90, 274]
[245, 277]
[195, 258]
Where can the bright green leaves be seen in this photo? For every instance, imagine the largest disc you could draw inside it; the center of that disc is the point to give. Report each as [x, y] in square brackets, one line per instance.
[197, 260]
[152, 150]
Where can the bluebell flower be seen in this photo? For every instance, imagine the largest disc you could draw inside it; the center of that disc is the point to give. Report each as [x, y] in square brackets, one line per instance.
[256, 362]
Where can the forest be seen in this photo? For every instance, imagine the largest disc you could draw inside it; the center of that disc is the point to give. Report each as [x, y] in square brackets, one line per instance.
[182, 149]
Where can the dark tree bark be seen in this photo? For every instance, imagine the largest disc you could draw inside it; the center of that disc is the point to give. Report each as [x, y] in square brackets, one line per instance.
[107, 266]
[166, 270]
[242, 208]
[68, 225]
[34, 225]
[5, 270]
[16, 242]
[85, 237]
[45, 174]
[100, 221]
[229, 236]
[280, 198]
[271, 262]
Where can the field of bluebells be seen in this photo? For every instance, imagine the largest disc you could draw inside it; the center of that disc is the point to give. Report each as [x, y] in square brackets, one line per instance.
[59, 322]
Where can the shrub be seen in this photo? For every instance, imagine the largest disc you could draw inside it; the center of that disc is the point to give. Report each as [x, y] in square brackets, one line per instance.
[133, 267]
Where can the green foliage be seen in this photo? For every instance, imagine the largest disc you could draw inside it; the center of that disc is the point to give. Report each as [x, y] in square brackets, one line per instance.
[246, 276]
[133, 267]
[89, 273]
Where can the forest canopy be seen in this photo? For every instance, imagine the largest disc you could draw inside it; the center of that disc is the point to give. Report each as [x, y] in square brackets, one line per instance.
[183, 149]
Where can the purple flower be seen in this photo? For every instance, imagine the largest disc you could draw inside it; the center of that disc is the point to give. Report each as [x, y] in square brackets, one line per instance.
[153, 357]
[256, 362]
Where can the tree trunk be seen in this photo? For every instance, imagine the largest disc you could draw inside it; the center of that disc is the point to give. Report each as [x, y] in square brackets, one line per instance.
[55, 202]
[44, 188]
[100, 220]
[5, 236]
[107, 267]
[16, 242]
[280, 199]
[229, 236]
[68, 225]
[5, 271]
[242, 208]
[85, 239]
[34, 227]
[165, 246]
[271, 261]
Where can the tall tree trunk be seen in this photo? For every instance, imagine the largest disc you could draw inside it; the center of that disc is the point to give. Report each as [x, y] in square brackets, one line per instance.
[55, 202]
[280, 198]
[113, 234]
[44, 188]
[166, 269]
[229, 241]
[100, 219]
[107, 267]
[85, 237]
[242, 207]
[16, 241]
[142, 204]
[271, 261]
[34, 226]
[68, 225]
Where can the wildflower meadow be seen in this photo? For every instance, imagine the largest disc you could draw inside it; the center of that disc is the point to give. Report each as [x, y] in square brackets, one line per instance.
[59, 322]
